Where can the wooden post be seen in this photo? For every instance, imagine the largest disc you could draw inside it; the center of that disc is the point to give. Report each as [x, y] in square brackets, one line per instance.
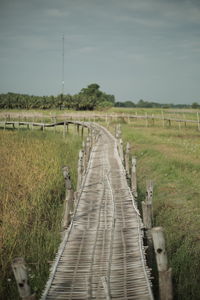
[146, 116]
[133, 177]
[163, 118]
[80, 169]
[153, 121]
[84, 158]
[165, 274]
[87, 150]
[127, 153]
[82, 131]
[5, 123]
[198, 121]
[147, 206]
[55, 123]
[77, 128]
[118, 131]
[64, 129]
[21, 276]
[120, 149]
[68, 198]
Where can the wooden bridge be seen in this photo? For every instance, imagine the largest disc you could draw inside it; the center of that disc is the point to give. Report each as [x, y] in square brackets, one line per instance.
[101, 255]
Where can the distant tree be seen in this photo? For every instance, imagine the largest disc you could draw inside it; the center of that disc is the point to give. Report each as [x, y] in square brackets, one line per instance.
[195, 105]
[129, 104]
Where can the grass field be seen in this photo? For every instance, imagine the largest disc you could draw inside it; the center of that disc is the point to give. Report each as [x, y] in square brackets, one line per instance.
[31, 201]
[170, 157]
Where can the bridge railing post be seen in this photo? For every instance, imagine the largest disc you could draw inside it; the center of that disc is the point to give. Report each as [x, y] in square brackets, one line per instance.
[80, 169]
[148, 220]
[133, 177]
[126, 160]
[165, 273]
[147, 206]
[69, 197]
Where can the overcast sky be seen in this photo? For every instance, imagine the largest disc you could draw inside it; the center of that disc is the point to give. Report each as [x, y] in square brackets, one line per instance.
[134, 49]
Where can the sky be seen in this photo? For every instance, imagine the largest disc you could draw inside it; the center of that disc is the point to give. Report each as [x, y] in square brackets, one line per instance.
[134, 49]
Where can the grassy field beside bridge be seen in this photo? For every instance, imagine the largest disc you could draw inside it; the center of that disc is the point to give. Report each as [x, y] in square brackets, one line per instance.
[170, 157]
[31, 201]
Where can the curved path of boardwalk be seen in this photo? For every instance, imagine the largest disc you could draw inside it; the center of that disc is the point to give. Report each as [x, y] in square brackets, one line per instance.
[102, 255]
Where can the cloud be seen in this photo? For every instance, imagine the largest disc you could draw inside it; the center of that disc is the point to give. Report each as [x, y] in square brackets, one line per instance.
[57, 13]
[87, 50]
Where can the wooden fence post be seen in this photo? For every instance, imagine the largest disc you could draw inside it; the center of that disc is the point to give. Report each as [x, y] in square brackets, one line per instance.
[5, 122]
[120, 149]
[147, 206]
[165, 274]
[87, 149]
[55, 123]
[133, 177]
[198, 121]
[146, 116]
[64, 129]
[77, 128]
[84, 157]
[68, 198]
[21, 276]
[163, 118]
[126, 157]
[82, 131]
[80, 169]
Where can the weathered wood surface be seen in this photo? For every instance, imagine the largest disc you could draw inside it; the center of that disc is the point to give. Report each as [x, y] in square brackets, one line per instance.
[165, 273]
[102, 254]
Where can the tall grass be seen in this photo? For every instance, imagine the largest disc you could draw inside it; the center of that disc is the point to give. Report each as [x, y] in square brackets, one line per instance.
[170, 157]
[31, 201]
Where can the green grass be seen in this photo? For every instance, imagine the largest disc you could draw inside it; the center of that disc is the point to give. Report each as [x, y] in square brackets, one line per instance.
[170, 158]
[31, 201]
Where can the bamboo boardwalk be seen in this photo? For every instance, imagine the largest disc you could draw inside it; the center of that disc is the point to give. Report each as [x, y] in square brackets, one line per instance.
[102, 254]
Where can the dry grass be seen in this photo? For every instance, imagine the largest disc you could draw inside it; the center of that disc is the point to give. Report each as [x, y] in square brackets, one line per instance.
[31, 193]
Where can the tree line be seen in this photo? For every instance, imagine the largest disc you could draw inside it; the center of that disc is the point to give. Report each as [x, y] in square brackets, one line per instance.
[146, 104]
[89, 98]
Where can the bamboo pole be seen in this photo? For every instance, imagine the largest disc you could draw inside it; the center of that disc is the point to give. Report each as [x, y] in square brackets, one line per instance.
[134, 177]
[165, 274]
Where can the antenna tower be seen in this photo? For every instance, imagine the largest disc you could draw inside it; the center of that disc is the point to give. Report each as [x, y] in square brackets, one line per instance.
[63, 62]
